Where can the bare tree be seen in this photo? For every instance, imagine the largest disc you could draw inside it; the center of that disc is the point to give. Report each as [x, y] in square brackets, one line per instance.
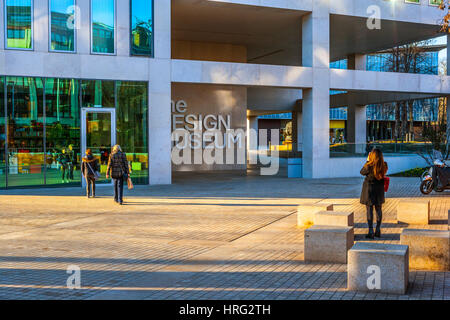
[410, 58]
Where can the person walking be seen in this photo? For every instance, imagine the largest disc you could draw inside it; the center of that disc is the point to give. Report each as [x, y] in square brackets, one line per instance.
[63, 160]
[89, 169]
[372, 194]
[118, 170]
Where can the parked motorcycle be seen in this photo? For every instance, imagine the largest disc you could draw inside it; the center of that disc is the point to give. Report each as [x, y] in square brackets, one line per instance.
[435, 177]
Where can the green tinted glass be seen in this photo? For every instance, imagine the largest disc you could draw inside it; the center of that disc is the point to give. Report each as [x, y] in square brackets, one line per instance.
[98, 94]
[132, 131]
[19, 23]
[2, 134]
[25, 131]
[62, 124]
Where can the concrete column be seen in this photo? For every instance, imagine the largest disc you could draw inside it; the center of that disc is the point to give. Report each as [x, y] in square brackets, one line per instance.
[41, 26]
[357, 62]
[252, 124]
[356, 130]
[83, 33]
[123, 28]
[159, 98]
[297, 133]
[316, 101]
[356, 115]
[252, 140]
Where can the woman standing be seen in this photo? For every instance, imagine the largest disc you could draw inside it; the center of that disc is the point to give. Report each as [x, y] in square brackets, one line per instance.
[372, 194]
[118, 170]
[89, 169]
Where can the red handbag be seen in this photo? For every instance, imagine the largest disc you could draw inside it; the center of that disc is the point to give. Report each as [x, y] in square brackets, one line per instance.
[386, 184]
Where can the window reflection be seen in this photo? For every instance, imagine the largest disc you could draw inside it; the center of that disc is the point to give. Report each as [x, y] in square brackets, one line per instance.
[2, 135]
[132, 127]
[62, 123]
[103, 24]
[25, 131]
[62, 27]
[98, 94]
[141, 27]
[19, 24]
[40, 144]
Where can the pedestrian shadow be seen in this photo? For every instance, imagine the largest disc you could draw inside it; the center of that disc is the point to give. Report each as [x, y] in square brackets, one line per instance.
[384, 237]
[386, 225]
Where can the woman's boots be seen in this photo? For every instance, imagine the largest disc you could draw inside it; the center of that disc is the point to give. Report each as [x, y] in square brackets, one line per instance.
[370, 235]
[378, 230]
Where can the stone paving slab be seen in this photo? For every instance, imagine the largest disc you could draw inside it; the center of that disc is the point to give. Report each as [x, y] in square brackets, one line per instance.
[233, 238]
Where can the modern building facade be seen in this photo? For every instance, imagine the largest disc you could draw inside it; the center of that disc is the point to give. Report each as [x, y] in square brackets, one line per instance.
[77, 74]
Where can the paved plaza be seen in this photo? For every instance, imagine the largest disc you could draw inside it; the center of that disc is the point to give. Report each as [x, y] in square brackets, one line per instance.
[215, 236]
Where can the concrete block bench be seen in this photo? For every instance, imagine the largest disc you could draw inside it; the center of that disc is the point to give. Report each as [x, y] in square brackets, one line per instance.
[328, 243]
[413, 211]
[378, 267]
[334, 218]
[428, 249]
[306, 212]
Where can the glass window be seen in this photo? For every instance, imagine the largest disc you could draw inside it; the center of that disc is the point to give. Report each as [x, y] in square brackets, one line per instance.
[25, 131]
[2, 134]
[62, 131]
[142, 27]
[62, 29]
[103, 26]
[98, 94]
[19, 24]
[132, 132]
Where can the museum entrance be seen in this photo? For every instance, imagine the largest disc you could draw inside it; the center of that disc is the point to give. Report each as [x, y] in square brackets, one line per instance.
[98, 133]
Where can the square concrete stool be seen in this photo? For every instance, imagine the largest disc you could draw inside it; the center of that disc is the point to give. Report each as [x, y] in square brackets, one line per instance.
[306, 212]
[328, 243]
[334, 218]
[428, 249]
[413, 211]
[378, 267]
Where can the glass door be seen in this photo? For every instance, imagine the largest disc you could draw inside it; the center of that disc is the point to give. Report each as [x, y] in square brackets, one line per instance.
[98, 133]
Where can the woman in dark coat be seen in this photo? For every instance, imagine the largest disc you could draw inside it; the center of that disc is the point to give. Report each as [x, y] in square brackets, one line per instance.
[89, 168]
[118, 169]
[372, 194]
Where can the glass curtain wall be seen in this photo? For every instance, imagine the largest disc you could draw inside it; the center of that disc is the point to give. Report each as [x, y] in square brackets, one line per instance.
[2, 135]
[142, 27]
[132, 107]
[19, 24]
[62, 131]
[103, 22]
[25, 138]
[40, 136]
[62, 29]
